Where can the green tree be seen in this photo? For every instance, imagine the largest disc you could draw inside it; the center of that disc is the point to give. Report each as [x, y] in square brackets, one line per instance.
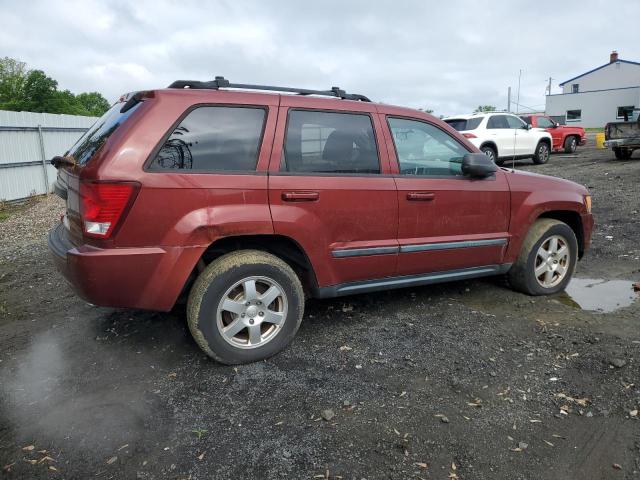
[33, 91]
[426, 110]
[94, 103]
[484, 108]
[13, 74]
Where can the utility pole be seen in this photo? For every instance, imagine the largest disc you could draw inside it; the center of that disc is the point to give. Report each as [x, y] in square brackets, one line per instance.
[509, 100]
[549, 87]
[518, 100]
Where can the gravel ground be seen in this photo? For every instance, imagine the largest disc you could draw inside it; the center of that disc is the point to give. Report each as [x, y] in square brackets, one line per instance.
[466, 380]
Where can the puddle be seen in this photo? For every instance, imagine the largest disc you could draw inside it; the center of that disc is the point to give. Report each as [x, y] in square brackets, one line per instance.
[598, 294]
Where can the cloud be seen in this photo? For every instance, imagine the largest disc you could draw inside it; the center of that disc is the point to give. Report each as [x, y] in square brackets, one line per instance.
[449, 57]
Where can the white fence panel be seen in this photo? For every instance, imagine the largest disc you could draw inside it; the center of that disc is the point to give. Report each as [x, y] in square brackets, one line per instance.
[27, 142]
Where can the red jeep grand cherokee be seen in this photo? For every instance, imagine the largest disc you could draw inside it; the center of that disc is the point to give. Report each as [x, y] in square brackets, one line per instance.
[252, 201]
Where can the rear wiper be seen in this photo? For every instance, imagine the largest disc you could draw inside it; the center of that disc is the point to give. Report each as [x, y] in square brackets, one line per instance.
[59, 161]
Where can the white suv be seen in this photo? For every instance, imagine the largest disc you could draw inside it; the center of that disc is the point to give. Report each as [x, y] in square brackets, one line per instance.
[502, 136]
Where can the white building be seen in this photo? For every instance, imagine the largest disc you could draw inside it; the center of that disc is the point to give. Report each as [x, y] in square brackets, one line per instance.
[598, 96]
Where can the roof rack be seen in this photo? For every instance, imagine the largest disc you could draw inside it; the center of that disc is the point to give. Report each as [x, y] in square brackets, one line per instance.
[221, 82]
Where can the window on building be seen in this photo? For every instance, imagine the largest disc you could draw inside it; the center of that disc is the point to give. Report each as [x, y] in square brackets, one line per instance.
[574, 115]
[625, 112]
[424, 149]
[212, 139]
[575, 88]
[328, 142]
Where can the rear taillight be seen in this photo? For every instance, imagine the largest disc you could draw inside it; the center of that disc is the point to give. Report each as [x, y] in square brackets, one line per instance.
[102, 205]
[469, 135]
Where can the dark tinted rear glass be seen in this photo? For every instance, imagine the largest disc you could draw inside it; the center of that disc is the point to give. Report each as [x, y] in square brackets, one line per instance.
[97, 135]
[212, 139]
[461, 124]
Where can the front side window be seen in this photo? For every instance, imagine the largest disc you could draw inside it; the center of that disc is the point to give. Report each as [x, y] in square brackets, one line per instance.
[544, 122]
[214, 139]
[515, 122]
[574, 115]
[423, 149]
[497, 121]
[329, 142]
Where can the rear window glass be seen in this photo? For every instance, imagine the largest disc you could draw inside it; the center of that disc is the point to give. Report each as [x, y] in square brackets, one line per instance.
[462, 124]
[213, 139]
[97, 135]
[328, 142]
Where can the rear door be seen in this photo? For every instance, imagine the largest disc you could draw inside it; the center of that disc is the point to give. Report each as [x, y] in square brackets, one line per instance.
[330, 191]
[501, 133]
[447, 221]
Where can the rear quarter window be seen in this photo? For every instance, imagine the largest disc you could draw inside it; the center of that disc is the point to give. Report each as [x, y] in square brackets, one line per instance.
[213, 139]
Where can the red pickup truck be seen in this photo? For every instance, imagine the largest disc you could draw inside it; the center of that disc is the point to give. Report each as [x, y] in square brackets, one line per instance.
[565, 137]
[249, 202]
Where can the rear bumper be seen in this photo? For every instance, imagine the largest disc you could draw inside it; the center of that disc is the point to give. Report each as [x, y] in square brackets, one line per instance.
[147, 278]
[623, 142]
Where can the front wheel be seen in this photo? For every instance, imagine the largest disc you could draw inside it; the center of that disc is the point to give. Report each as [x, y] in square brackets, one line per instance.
[492, 154]
[245, 306]
[541, 154]
[547, 259]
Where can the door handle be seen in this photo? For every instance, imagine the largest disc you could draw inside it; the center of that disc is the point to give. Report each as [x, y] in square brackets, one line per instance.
[421, 196]
[300, 196]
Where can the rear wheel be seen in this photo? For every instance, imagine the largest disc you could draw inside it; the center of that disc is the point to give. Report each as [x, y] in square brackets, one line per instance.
[541, 154]
[491, 153]
[622, 153]
[245, 306]
[547, 259]
[570, 144]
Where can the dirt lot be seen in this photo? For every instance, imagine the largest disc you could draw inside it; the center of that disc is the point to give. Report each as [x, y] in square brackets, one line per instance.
[466, 380]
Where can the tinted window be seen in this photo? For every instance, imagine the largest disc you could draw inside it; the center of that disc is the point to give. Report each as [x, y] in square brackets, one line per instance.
[461, 124]
[213, 139]
[98, 134]
[424, 149]
[514, 122]
[574, 114]
[326, 142]
[526, 120]
[625, 112]
[544, 122]
[497, 121]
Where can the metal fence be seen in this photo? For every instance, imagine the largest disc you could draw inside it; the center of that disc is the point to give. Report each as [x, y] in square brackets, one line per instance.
[27, 142]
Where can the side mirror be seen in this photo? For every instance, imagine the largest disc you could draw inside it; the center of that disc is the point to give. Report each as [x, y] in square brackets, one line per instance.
[478, 165]
[556, 125]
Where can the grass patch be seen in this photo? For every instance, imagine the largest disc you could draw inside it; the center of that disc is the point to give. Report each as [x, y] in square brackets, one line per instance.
[4, 216]
[594, 130]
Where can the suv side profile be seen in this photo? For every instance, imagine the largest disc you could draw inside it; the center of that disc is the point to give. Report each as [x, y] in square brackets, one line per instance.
[252, 202]
[502, 136]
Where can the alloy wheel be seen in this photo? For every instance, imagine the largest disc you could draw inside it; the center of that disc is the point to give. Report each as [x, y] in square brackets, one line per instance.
[552, 261]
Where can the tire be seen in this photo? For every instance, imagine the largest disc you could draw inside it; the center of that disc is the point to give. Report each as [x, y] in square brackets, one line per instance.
[238, 278]
[522, 275]
[570, 144]
[541, 154]
[492, 154]
[622, 153]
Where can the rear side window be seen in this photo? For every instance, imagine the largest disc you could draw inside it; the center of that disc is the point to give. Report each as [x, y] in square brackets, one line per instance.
[461, 124]
[85, 148]
[328, 142]
[498, 121]
[214, 139]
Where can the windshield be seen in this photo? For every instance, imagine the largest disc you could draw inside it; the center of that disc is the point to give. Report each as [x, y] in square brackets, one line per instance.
[461, 124]
[98, 134]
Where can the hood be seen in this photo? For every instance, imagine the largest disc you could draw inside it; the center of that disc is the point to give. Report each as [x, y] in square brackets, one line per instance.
[536, 181]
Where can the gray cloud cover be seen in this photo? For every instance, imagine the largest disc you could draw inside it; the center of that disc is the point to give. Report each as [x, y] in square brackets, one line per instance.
[447, 56]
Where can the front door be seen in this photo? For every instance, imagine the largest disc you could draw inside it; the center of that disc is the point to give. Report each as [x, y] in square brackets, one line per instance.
[447, 221]
[526, 138]
[330, 190]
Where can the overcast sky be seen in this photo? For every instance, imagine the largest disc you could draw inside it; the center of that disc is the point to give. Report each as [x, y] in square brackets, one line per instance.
[446, 56]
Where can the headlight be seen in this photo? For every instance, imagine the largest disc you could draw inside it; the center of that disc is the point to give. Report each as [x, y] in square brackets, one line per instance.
[587, 202]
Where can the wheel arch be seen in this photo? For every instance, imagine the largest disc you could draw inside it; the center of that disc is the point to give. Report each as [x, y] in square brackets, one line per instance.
[573, 220]
[491, 144]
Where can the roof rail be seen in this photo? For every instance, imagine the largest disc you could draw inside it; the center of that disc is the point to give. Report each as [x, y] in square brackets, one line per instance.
[221, 82]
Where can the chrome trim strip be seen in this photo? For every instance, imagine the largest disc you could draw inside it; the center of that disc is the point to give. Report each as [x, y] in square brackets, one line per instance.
[359, 252]
[450, 245]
